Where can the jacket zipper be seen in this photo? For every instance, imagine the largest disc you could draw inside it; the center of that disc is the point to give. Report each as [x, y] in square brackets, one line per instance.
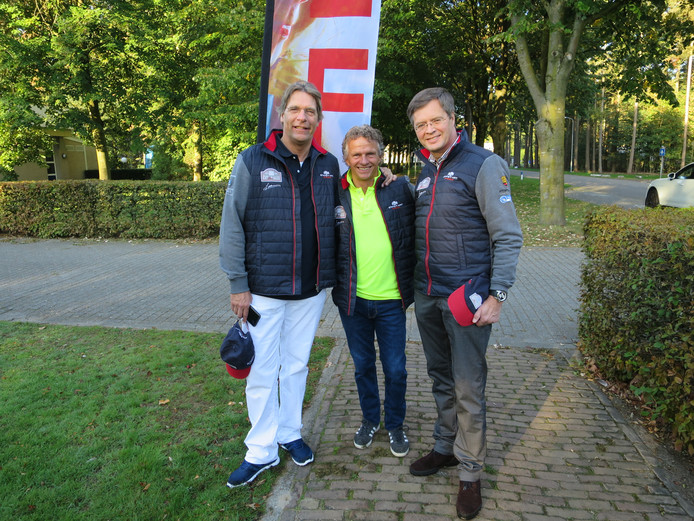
[428, 250]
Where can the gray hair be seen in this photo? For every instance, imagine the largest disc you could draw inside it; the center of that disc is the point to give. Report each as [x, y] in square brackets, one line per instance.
[423, 97]
[367, 132]
[302, 86]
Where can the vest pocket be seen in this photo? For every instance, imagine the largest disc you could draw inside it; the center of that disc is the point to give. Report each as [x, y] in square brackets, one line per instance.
[462, 260]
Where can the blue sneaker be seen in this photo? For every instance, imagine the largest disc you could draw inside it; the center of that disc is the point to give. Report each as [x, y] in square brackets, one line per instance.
[247, 472]
[299, 451]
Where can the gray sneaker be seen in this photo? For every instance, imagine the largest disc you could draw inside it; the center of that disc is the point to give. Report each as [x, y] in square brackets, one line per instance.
[365, 434]
[399, 444]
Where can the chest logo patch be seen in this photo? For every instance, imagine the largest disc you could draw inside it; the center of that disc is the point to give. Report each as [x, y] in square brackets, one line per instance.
[340, 212]
[326, 174]
[504, 180]
[270, 175]
[424, 183]
[450, 176]
[505, 199]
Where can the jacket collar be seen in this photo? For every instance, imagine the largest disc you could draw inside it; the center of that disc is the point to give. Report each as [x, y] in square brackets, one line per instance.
[462, 138]
[275, 135]
[344, 182]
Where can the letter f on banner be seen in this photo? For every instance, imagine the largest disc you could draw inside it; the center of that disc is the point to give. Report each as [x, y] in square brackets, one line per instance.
[332, 44]
[348, 59]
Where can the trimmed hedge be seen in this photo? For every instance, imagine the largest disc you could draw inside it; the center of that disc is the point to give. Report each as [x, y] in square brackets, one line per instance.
[125, 209]
[637, 298]
[139, 174]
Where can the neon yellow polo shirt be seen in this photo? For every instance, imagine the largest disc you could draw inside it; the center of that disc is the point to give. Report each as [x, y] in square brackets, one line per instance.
[375, 266]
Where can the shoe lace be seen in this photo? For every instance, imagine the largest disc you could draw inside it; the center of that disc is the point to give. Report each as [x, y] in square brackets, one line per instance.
[367, 428]
[398, 436]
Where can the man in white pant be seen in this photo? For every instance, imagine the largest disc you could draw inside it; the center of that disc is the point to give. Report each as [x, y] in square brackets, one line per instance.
[277, 247]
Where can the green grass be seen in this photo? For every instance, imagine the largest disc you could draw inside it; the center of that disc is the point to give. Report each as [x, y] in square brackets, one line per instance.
[526, 198]
[119, 424]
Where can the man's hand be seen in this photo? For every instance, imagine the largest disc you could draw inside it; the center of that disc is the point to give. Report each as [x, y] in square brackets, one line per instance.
[488, 313]
[388, 175]
[240, 302]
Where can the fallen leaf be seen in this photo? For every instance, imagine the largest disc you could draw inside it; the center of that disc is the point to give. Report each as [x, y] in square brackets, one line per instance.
[164, 402]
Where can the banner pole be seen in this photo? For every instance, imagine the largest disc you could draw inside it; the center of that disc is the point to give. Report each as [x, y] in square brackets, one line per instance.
[265, 70]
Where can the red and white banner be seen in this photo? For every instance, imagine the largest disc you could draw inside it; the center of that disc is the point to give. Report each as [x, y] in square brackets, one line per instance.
[332, 44]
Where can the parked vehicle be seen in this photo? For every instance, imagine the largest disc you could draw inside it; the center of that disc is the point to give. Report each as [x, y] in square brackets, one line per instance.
[677, 189]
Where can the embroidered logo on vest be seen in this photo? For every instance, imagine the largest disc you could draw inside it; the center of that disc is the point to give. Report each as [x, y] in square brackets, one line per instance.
[270, 175]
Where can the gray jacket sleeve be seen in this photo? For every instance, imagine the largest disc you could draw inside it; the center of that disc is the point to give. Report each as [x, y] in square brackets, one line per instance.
[232, 239]
[493, 191]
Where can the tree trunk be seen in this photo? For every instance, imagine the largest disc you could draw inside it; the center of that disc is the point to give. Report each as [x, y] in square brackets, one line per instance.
[547, 87]
[99, 138]
[686, 108]
[601, 130]
[593, 143]
[468, 122]
[197, 151]
[630, 167]
[574, 165]
[499, 130]
[517, 145]
[528, 157]
[550, 137]
[588, 140]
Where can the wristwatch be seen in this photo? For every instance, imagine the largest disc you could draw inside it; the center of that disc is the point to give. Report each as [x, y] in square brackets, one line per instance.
[498, 294]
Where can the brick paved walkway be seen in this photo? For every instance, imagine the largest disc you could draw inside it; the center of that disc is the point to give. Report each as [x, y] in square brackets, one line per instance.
[557, 450]
[557, 447]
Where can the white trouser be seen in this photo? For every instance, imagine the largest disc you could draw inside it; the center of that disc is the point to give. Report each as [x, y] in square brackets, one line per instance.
[282, 339]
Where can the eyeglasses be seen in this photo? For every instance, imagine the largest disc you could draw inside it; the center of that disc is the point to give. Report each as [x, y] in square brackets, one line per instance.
[424, 125]
[295, 111]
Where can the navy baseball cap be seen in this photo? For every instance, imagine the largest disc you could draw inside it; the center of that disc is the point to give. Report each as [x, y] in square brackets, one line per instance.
[237, 351]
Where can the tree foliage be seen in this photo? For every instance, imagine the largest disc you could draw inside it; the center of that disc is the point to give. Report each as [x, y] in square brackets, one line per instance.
[450, 44]
[128, 75]
[634, 36]
[182, 77]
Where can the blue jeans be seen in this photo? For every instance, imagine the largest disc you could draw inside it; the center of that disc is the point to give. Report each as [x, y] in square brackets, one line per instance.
[386, 319]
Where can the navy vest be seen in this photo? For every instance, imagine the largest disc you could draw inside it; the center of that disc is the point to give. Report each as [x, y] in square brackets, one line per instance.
[272, 221]
[452, 241]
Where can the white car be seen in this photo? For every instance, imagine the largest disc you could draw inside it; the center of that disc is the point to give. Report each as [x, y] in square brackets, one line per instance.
[677, 189]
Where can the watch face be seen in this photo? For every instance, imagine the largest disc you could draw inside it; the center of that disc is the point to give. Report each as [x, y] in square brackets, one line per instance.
[500, 295]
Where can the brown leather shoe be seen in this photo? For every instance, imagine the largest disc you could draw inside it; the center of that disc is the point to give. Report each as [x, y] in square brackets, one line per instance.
[469, 501]
[431, 463]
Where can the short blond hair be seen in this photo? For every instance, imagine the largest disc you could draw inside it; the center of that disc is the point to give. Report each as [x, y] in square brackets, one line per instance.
[367, 132]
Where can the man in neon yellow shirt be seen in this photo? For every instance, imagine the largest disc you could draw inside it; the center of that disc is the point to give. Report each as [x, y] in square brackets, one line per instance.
[375, 270]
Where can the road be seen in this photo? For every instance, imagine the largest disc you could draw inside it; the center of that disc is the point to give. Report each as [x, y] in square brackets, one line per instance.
[627, 193]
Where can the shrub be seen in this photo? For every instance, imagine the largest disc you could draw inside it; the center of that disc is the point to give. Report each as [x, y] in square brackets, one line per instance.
[637, 296]
[126, 209]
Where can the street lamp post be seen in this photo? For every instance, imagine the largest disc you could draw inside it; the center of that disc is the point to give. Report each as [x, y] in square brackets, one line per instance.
[571, 164]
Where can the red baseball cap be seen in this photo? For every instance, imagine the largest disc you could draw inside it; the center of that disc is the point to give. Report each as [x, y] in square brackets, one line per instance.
[465, 300]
